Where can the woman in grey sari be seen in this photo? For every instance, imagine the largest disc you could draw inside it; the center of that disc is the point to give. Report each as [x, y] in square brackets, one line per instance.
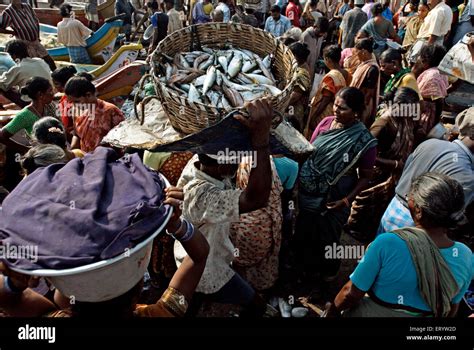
[380, 29]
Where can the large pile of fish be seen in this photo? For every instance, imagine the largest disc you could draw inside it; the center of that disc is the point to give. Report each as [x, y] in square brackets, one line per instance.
[221, 78]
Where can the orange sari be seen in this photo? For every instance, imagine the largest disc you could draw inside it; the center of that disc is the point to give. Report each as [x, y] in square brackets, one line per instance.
[330, 85]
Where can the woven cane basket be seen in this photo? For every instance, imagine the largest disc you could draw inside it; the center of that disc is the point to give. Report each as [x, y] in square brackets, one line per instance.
[189, 117]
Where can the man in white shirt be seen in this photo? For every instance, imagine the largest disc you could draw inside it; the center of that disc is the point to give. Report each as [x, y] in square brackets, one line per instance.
[434, 29]
[72, 34]
[222, 6]
[437, 23]
[174, 21]
[26, 67]
[212, 202]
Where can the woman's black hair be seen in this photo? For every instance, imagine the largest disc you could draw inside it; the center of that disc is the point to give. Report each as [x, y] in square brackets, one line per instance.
[63, 74]
[323, 24]
[333, 53]
[300, 50]
[406, 95]
[86, 75]
[440, 199]
[432, 55]
[391, 55]
[34, 86]
[79, 87]
[17, 48]
[49, 130]
[377, 9]
[354, 98]
[365, 44]
[65, 10]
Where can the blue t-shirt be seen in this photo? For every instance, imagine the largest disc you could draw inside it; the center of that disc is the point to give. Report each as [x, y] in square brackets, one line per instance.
[287, 170]
[387, 269]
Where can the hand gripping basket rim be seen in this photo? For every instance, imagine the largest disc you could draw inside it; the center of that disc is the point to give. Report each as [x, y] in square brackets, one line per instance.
[190, 117]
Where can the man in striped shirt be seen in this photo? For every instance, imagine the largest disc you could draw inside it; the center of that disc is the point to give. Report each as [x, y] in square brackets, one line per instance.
[22, 19]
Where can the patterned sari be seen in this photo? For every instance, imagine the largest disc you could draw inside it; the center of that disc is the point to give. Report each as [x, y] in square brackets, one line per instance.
[257, 235]
[368, 207]
[332, 82]
[358, 80]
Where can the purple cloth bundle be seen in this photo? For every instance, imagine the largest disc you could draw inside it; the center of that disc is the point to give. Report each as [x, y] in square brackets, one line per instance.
[84, 211]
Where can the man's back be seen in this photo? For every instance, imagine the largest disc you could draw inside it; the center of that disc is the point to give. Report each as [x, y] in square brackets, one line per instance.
[450, 158]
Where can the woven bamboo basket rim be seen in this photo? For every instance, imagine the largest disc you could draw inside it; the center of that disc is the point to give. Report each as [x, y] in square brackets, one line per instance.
[218, 35]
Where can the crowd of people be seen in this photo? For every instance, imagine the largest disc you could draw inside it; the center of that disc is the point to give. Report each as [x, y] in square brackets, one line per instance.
[367, 95]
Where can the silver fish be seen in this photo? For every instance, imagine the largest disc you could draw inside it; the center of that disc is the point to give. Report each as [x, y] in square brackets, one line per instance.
[264, 69]
[234, 97]
[249, 65]
[223, 62]
[193, 95]
[243, 79]
[185, 87]
[183, 62]
[235, 66]
[252, 95]
[234, 86]
[214, 97]
[218, 78]
[206, 64]
[225, 104]
[200, 80]
[259, 79]
[199, 60]
[208, 50]
[273, 89]
[210, 79]
[267, 61]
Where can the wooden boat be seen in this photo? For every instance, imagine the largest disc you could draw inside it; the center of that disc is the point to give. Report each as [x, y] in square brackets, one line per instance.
[100, 45]
[124, 56]
[121, 81]
[52, 17]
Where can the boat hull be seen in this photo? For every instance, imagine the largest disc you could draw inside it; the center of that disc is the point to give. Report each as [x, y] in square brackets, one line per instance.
[124, 56]
[52, 17]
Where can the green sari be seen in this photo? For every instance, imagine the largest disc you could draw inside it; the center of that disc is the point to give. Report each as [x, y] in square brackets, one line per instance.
[336, 152]
[395, 81]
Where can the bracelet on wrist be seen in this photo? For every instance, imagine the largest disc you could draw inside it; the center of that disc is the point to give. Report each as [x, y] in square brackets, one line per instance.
[188, 229]
[180, 230]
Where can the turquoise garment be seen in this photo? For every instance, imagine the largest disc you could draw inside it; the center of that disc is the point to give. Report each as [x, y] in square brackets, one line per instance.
[387, 270]
[287, 170]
